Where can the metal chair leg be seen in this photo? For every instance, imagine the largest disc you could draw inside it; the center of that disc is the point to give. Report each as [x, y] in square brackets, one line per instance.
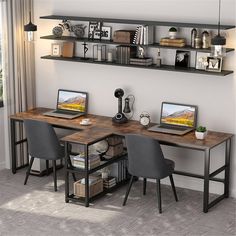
[159, 195]
[28, 170]
[128, 190]
[173, 187]
[47, 167]
[144, 185]
[54, 175]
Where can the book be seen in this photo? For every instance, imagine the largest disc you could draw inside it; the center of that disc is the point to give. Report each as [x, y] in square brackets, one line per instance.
[172, 44]
[168, 40]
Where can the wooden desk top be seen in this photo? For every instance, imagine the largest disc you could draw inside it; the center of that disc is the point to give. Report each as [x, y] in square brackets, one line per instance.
[103, 127]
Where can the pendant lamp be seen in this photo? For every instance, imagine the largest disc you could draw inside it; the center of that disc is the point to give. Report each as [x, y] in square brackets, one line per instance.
[30, 28]
[218, 42]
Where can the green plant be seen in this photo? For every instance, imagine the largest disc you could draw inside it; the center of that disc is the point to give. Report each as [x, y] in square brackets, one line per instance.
[172, 29]
[201, 129]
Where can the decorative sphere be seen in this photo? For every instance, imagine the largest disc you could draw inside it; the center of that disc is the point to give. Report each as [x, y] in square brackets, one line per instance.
[57, 31]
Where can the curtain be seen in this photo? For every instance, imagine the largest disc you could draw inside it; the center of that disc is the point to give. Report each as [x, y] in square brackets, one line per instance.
[18, 67]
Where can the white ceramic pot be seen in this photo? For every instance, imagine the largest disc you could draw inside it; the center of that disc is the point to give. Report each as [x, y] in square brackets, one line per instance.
[172, 35]
[200, 135]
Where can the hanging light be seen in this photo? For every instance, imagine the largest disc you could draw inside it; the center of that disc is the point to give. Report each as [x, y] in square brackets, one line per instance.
[218, 42]
[30, 28]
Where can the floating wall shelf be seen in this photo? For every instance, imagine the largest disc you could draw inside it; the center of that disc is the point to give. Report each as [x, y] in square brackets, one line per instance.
[139, 22]
[152, 67]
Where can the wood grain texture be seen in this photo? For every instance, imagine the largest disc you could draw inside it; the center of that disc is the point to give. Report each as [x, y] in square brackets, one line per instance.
[102, 127]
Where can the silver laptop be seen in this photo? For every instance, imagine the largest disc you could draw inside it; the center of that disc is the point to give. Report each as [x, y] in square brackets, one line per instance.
[176, 119]
[70, 104]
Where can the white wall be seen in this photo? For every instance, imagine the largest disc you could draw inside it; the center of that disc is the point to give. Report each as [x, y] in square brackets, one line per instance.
[215, 96]
[2, 143]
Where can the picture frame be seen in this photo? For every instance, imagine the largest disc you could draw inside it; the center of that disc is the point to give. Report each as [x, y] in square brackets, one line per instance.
[106, 32]
[56, 49]
[94, 30]
[214, 64]
[201, 60]
[182, 58]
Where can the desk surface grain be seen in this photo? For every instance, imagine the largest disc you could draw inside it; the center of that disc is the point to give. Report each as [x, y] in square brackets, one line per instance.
[102, 127]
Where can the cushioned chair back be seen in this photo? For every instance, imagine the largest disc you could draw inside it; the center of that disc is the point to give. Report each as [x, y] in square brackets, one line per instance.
[146, 158]
[42, 140]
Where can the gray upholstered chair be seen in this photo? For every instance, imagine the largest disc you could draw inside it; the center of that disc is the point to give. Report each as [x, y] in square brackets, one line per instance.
[43, 143]
[146, 160]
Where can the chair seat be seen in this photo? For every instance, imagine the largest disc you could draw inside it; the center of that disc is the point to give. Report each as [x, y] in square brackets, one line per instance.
[170, 163]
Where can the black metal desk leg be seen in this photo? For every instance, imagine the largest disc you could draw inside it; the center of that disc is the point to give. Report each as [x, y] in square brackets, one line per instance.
[227, 169]
[86, 155]
[206, 180]
[13, 146]
[66, 173]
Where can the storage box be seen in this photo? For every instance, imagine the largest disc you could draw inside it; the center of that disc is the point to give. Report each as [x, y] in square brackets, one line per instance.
[114, 140]
[115, 150]
[94, 188]
[123, 36]
[68, 49]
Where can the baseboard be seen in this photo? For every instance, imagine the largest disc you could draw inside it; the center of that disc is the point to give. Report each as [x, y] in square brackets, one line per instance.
[2, 165]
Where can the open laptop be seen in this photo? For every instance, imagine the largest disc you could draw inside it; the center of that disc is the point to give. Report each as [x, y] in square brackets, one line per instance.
[70, 104]
[176, 119]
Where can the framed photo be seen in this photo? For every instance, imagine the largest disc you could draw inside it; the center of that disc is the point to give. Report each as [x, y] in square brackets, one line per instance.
[214, 64]
[56, 50]
[182, 58]
[106, 33]
[94, 30]
[201, 60]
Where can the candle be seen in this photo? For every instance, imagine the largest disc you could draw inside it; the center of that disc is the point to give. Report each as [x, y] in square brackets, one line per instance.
[99, 54]
[109, 56]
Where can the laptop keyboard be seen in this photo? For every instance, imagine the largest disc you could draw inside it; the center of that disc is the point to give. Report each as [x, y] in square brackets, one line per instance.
[65, 112]
[175, 128]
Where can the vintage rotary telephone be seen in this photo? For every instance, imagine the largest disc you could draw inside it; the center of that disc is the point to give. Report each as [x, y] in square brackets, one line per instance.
[120, 117]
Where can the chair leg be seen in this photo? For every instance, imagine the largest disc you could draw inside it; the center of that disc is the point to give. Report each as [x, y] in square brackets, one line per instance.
[159, 195]
[47, 167]
[173, 187]
[128, 190]
[54, 175]
[28, 170]
[144, 185]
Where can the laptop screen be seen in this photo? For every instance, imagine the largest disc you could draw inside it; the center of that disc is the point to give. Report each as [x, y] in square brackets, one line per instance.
[178, 114]
[72, 100]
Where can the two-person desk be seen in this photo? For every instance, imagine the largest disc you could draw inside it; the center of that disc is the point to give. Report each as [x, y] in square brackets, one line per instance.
[102, 127]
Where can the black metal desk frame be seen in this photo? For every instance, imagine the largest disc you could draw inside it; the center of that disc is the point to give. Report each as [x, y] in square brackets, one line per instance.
[207, 177]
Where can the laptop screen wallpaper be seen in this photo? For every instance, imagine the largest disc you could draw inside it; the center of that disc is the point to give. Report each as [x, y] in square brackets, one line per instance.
[174, 114]
[71, 101]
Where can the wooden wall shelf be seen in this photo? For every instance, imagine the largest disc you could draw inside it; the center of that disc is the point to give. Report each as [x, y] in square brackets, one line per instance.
[153, 67]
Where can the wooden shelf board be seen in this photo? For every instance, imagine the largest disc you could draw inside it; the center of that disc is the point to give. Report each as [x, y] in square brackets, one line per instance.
[152, 67]
[155, 45]
[136, 22]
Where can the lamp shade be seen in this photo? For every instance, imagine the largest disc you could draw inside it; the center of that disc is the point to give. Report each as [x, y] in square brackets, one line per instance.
[30, 27]
[218, 40]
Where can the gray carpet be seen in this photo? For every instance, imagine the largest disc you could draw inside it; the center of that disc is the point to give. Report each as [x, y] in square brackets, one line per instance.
[36, 210]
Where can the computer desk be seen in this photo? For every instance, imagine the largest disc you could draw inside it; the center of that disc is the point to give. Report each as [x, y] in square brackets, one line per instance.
[102, 127]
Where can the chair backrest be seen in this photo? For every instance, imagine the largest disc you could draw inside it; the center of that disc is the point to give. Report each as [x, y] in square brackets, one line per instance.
[145, 157]
[42, 140]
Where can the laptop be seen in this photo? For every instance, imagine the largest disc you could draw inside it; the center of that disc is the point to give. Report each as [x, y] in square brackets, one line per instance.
[70, 104]
[176, 119]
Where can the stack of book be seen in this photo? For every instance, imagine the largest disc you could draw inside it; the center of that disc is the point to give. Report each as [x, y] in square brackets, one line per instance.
[79, 161]
[109, 182]
[144, 35]
[141, 61]
[124, 53]
[172, 42]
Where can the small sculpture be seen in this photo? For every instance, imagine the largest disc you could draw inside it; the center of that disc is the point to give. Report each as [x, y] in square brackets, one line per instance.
[78, 30]
[141, 52]
[85, 50]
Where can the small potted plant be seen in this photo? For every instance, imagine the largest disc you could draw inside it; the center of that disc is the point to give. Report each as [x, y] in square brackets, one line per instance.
[172, 33]
[201, 132]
